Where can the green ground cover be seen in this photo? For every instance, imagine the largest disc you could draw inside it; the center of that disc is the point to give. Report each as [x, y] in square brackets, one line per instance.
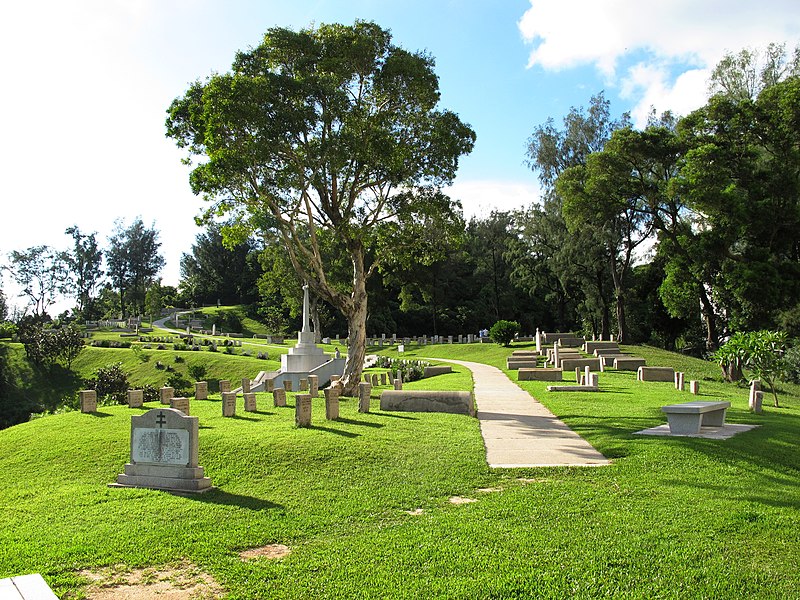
[672, 517]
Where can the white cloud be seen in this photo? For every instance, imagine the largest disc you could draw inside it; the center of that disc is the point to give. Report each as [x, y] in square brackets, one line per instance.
[683, 39]
[480, 197]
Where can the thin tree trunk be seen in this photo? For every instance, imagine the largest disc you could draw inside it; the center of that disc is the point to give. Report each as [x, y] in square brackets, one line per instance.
[356, 340]
[315, 319]
[710, 319]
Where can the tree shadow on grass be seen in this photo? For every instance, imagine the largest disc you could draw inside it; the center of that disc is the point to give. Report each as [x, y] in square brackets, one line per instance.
[243, 418]
[347, 434]
[364, 423]
[97, 413]
[394, 416]
[218, 496]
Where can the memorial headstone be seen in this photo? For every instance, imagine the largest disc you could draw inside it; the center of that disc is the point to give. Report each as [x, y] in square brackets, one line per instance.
[302, 410]
[164, 453]
[245, 385]
[279, 397]
[313, 385]
[287, 385]
[694, 387]
[755, 386]
[135, 398]
[88, 401]
[375, 380]
[398, 384]
[228, 404]
[250, 402]
[181, 404]
[364, 391]
[679, 381]
[224, 386]
[166, 394]
[383, 379]
[201, 390]
[303, 385]
[758, 400]
[331, 403]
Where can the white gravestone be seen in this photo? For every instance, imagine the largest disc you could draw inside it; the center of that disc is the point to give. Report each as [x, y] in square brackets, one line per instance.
[164, 453]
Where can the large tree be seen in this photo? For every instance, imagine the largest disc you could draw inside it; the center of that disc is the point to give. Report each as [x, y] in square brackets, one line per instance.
[330, 128]
[41, 274]
[84, 265]
[133, 263]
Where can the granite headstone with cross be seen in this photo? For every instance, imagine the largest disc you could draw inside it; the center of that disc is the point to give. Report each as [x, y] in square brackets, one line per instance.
[164, 453]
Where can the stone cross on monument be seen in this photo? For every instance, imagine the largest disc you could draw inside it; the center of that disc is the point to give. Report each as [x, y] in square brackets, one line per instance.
[306, 336]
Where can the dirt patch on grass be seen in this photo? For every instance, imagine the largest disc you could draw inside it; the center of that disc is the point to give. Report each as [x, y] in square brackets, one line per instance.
[416, 512]
[272, 551]
[461, 500]
[182, 581]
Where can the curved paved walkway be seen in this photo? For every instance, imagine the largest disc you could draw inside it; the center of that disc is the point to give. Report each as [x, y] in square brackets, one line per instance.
[518, 431]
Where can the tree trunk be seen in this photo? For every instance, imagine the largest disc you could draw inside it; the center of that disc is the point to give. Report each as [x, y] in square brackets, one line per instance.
[710, 319]
[356, 340]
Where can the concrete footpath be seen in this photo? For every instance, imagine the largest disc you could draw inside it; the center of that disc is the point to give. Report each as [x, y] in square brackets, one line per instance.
[518, 431]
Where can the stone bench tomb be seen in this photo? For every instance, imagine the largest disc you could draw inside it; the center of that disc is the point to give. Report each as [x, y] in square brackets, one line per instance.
[629, 363]
[689, 417]
[457, 402]
[656, 374]
[539, 374]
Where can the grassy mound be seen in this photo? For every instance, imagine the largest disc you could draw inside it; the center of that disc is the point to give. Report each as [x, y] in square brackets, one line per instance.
[364, 502]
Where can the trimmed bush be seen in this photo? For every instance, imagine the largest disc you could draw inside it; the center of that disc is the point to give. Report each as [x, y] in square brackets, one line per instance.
[503, 332]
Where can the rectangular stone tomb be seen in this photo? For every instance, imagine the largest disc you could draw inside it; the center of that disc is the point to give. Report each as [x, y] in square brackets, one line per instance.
[540, 375]
[590, 347]
[689, 417]
[607, 352]
[164, 444]
[573, 388]
[166, 394]
[516, 363]
[302, 410]
[573, 342]
[628, 363]
[250, 402]
[656, 374]
[434, 370]
[428, 401]
[525, 353]
[569, 364]
[201, 390]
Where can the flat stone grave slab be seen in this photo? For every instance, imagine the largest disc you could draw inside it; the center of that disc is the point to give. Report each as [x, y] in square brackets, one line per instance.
[26, 587]
[711, 433]
[457, 402]
[655, 374]
[573, 388]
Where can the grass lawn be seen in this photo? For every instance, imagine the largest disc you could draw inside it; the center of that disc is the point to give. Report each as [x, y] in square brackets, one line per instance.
[671, 518]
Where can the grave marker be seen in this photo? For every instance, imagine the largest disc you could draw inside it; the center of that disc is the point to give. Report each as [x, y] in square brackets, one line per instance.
[224, 386]
[135, 398]
[250, 402]
[287, 385]
[364, 391]
[245, 385]
[302, 410]
[228, 404]
[164, 453]
[694, 387]
[303, 385]
[181, 404]
[88, 401]
[331, 403]
[166, 394]
[279, 397]
[201, 390]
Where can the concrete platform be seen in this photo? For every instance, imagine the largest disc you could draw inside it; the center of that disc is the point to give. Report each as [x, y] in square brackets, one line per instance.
[710, 433]
[26, 587]
[520, 432]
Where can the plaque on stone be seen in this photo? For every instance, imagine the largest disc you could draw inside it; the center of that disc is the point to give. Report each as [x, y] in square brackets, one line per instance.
[250, 402]
[135, 398]
[88, 401]
[303, 385]
[302, 410]
[201, 390]
[228, 404]
[164, 453]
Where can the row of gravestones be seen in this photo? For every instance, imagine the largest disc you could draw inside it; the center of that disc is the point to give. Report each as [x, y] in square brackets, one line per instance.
[88, 398]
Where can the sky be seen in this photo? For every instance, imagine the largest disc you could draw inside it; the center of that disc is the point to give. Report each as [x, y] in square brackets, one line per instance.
[88, 83]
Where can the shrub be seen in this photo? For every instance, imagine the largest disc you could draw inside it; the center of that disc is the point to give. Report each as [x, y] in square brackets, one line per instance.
[183, 387]
[159, 365]
[110, 383]
[262, 355]
[503, 332]
[179, 346]
[228, 349]
[412, 369]
[179, 359]
[197, 372]
[150, 393]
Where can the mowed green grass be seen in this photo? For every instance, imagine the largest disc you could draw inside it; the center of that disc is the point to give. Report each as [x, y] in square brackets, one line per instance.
[671, 518]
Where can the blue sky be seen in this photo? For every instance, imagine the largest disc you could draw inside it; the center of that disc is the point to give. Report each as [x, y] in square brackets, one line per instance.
[88, 83]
